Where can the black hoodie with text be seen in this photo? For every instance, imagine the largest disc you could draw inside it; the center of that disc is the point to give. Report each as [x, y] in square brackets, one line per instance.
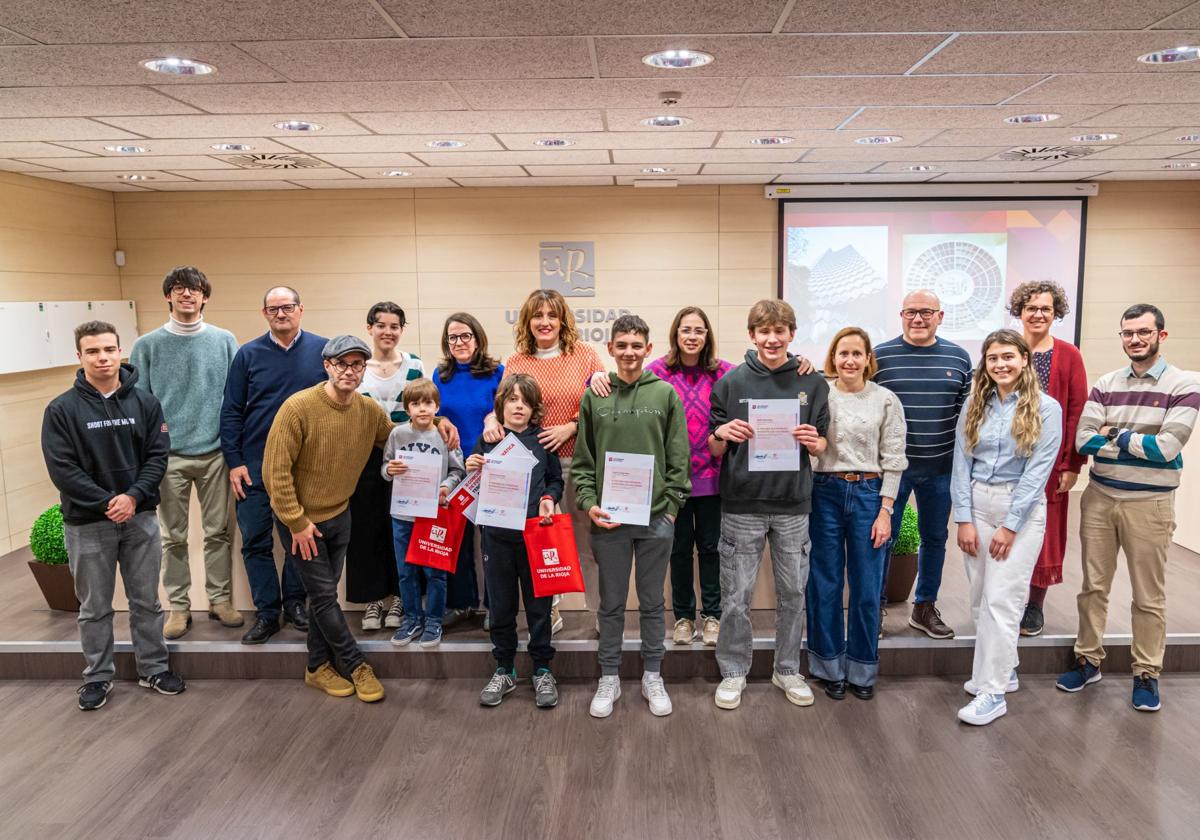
[97, 448]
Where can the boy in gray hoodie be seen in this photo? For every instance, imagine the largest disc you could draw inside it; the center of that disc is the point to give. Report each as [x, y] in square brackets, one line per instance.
[765, 504]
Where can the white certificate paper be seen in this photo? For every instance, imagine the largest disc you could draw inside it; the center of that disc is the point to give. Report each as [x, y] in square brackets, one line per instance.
[773, 449]
[504, 492]
[415, 492]
[628, 487]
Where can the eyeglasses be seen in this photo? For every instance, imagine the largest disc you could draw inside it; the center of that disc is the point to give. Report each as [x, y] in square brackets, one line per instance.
[286, 309]
[699, 332]
[1038, 310]
[179, 289]
[911, 314]
[342, 367]
[1143, 334]
[460, 338]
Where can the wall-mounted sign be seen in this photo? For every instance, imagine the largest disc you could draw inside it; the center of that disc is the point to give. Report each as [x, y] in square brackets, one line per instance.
[568, 268]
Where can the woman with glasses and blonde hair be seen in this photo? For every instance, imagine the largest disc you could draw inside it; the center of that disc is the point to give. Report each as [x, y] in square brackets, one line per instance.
[1061, 373]
[1007, 440]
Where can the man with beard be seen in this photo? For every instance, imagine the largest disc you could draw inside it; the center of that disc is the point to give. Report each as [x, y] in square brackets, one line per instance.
[1134, 424]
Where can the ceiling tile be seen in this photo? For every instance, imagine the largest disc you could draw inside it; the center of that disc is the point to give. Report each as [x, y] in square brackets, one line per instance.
[133, 163]
[1146, 115]
[669, 139]
[395, 160]
[23, 166]
[320, 96]
[730, 119]
[190, 146]
[514, 158]
[9, 38]
[436, 18]
[209, 186]
[741, 140]
[1187, 18]
[36, 150]
[1089, 165]
[86, 102]
[1015, 135]
[86, 21]
[374, 183]
[206, 125]
[119, 64]
[862, 178]
[1146, 152]
[596, 93]
[1154, 137]
[418, 122]
[684, 180]
[1136, 175]
[575, 181]
[416, 60]
[91, 178]
[968, 178]
[973, 15]
[1115, 89]
[261, 174]
[364, 144]
[857, 91]
[788, 168]
[896, 152]
[1075, 52]
[829, 139]
[59, 128]
[425, 172]
[654, 157]
[970, 117]
[770, 55]
[980, 166]
[420, 143]
[610, 169]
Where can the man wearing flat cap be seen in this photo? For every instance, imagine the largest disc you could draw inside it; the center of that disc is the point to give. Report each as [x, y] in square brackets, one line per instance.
[316, 449]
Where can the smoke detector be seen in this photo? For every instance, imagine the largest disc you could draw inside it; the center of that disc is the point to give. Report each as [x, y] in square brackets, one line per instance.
[1046, 153]
[275, 161]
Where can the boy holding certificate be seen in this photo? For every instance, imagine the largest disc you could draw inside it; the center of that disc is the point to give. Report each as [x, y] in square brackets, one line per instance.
[423, 470]
[766, 424]
[631, 476]
[505, 561]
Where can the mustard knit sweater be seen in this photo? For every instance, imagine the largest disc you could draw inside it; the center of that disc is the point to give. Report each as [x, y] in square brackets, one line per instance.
[315, 451]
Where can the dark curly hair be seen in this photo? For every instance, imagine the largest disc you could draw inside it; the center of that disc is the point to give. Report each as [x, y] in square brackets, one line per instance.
[1025, 291]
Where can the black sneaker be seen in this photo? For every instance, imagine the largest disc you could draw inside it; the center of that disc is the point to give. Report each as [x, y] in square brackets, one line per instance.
[1032, 621]
[93, 695]
[835, 689]
[263, 629]
[164, 682]
[295, 614]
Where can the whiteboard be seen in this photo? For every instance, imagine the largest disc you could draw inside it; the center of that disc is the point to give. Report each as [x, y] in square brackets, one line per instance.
[27, 340]
[64, 317]
[122, 315]
[41, 334]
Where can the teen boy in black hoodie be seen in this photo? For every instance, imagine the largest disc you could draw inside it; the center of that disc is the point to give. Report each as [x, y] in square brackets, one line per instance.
[106, 445]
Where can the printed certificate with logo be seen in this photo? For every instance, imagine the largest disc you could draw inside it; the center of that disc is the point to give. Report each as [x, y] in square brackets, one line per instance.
[628, 487]
[504, 492]
[773, 449]
[415, 492]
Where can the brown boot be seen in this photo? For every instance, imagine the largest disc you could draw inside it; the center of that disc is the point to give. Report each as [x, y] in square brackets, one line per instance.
[177, 624]
[926, 618]
[226, 614]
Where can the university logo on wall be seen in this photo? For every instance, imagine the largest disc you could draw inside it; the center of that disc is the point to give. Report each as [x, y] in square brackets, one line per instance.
[568, 268]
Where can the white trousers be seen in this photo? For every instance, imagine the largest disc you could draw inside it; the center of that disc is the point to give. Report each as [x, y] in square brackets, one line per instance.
[999, 588]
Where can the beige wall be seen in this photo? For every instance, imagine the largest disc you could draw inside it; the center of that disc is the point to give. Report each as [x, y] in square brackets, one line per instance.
[56, 243]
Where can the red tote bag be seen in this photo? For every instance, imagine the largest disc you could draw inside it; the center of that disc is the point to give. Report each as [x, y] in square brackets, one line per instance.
[553, 559]
[435, 542]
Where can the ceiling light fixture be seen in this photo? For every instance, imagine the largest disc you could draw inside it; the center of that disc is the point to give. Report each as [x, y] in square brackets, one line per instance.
[666, 121]
[127, 150]
[878, 139]
[776, 140]
[1182, 164]
[135, 177]
[1026, 119]
[298, 125]
[677, 59]
[395, 173]
[921, 167]
[1173, 55]
[232, 147]
[174, 66]
[446, 144]
[1188, 138]
[657, 170]
[553, 142]
[1094, 138]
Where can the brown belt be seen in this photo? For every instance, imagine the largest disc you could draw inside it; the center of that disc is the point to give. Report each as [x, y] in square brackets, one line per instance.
[854, 476]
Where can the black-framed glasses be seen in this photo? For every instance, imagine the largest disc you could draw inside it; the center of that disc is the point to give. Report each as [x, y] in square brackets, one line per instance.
[1144, 334]
[911, 314]
[460, 338]
[179, 289]
[342, 367]
[285, 308]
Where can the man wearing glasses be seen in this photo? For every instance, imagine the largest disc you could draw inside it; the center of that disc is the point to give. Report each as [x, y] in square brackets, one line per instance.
[1134, 424]
[265, 372]
[931, 376]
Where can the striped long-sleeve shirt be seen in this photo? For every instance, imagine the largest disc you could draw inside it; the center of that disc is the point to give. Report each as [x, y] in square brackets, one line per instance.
[1155, 413]
[932, 383]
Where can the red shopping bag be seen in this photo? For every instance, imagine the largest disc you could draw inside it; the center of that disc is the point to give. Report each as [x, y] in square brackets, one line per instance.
[435, 542]
[553, 559]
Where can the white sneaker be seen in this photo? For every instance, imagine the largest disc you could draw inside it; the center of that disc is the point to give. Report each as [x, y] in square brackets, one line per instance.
[794, 688]
[606, 694]
[372, 618]
[984, 709]
[1013, 685]
[685, 632]
[729, 692]
[556, 620]
[395, 613]
[656, 694]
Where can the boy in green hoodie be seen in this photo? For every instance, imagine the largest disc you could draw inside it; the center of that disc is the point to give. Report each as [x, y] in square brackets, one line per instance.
[642, 416]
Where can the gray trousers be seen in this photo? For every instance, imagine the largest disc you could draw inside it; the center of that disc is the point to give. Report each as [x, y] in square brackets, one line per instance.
[742, 538]
[95, 551]
[614, 551]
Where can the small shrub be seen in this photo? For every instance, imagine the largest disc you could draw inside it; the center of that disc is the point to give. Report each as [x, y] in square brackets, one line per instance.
[46, 538]
[909, 538]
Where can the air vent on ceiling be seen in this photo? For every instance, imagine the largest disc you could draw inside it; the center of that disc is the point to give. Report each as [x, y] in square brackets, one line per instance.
[275, 161]
[1043, 153]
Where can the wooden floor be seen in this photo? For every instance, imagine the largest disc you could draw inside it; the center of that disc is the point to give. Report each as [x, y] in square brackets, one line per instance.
[255, 760]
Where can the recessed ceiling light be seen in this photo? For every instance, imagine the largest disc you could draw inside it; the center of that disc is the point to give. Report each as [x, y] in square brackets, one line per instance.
[135, 177]
[921, 167]
[1173, 55]
[1182, 164]
[1025, 119]
[1188, 138]
[127, 150]
[677, 59]
[395, 173]
[878, 140]
[1094, 138]
[298, 125]
[232, 147]
[666, 121]
[446, 144]
[777, 140]
[657, 170]
[553, 142]
[179, 66]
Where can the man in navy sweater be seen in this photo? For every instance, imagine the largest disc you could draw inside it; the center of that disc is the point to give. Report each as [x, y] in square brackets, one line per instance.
[265, 372]
[932, 377]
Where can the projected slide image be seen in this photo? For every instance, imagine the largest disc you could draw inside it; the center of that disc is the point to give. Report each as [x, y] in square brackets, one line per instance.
[967, 272]
[837, 275]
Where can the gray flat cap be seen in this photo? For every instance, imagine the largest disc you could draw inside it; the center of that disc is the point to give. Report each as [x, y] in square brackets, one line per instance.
[340, 345]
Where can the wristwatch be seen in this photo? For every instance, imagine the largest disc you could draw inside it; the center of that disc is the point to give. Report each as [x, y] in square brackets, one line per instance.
[891, 511]
[1113, 433]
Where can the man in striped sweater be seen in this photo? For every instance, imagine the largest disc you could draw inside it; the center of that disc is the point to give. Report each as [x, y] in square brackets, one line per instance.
[1134, 424]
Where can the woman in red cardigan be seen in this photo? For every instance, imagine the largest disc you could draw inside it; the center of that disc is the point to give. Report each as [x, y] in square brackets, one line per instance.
[1061, 373]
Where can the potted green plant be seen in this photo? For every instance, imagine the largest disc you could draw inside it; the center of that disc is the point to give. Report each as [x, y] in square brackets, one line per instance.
[902, 571]
[50, 568]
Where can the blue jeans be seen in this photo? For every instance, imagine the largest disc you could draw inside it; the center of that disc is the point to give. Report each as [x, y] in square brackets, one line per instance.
[410, 581]
[257, 524]
[933, 508]
[842, 550]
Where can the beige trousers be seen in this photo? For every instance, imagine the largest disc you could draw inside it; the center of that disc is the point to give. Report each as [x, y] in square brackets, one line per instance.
[211, 479]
